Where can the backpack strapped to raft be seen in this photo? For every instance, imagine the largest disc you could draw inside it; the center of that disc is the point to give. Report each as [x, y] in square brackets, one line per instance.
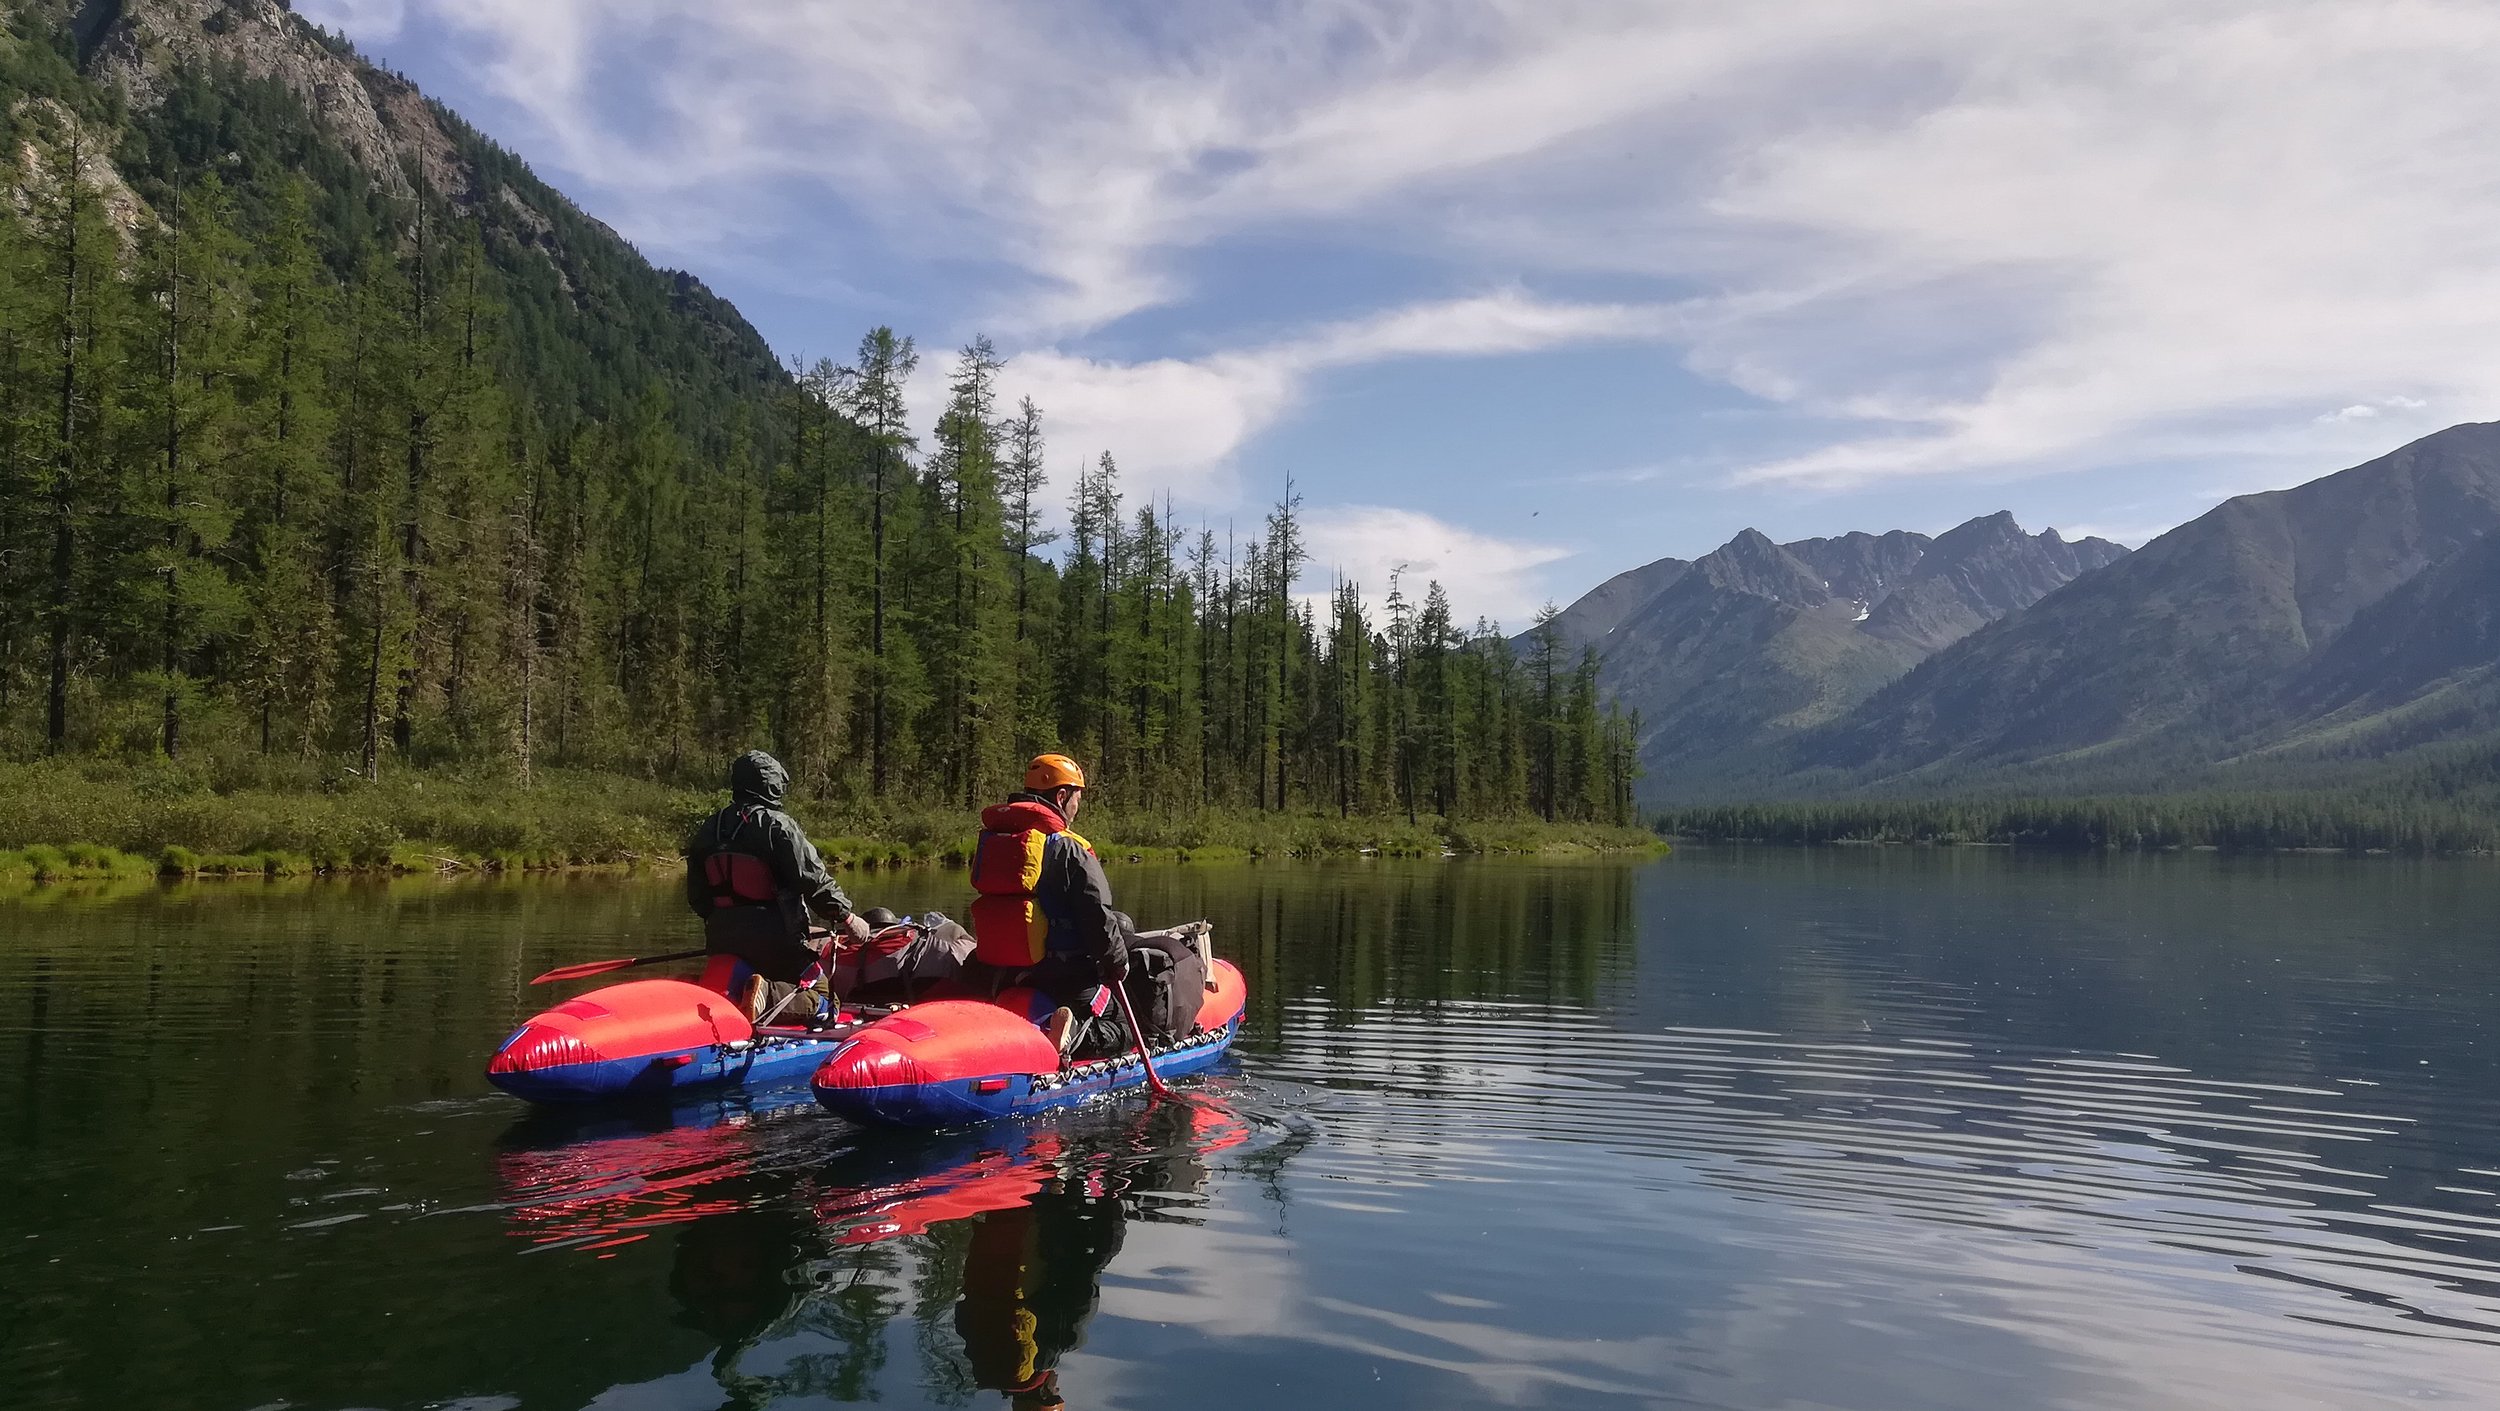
[1168, 978]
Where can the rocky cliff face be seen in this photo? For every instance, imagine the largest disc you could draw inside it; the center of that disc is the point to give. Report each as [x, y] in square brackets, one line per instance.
[1864, 568]
[379, 118]
[591, 315]
[123, 209]
[406, 144]
[1976, 573]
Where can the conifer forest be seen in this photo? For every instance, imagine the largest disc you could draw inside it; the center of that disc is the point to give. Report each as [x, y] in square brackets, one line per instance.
[298, 475]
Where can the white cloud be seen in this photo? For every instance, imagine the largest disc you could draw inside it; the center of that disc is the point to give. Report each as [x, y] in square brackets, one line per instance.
[1484, 575]
[370, 21]
[1508, 322]
[2225, 214]
[1960, 238]
[1174, 425]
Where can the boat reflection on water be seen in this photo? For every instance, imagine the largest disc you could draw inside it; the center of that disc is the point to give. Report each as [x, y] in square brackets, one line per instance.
[597, 1181]
[1040, 1210]
[795, 1259]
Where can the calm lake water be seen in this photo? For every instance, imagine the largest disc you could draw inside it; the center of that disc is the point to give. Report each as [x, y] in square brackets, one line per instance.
[1741, 1129]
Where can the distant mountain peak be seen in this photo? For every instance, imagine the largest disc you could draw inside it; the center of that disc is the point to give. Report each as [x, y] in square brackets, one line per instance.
[2000, 523]
[1757, 640]
[1751, 563]
[2362, 591]
[1977, 572]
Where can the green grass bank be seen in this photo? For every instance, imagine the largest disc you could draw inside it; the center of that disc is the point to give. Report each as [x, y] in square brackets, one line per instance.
[64, 820]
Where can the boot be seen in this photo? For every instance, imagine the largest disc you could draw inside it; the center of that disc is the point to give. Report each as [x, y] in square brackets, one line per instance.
[1060, 1029]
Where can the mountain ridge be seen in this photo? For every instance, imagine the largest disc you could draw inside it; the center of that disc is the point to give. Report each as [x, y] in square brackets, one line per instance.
[2189, 648]
[1724, 654]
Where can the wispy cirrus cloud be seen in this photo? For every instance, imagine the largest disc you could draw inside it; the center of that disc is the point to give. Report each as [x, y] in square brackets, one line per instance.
[1176, 424]
[1942, 238]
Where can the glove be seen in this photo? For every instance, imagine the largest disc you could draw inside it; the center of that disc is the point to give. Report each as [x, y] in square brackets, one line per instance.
[1115, 968]
[857, 928]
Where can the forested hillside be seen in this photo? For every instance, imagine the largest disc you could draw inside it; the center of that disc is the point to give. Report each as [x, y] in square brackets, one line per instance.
[316, 468]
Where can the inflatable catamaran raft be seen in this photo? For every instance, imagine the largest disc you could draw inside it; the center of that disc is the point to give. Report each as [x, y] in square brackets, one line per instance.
[951, 1061]
[652, 1039]
[945, 1061]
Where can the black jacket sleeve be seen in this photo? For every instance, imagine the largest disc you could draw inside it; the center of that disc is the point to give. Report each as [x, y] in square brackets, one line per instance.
[1087, 895]
[798, 867]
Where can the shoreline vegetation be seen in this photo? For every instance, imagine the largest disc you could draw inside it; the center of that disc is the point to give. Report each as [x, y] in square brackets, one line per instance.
[87, 820]
[2353, 823]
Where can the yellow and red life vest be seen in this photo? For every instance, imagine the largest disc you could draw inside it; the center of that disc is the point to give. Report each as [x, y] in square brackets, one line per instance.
[1013, 926]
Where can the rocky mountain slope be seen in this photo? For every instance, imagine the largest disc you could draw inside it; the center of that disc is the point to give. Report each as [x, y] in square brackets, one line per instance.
[2434, 639]
[270, 96]
[1727, 654]
[139, 47]
[2353, 615]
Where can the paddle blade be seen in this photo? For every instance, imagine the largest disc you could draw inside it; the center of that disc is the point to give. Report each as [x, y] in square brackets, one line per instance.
[586, 968]
[602, 967]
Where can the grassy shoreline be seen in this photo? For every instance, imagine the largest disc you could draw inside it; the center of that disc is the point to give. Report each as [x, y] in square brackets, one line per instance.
[63, 820]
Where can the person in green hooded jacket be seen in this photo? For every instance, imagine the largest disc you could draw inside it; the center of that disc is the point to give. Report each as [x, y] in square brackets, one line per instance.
[754, 878]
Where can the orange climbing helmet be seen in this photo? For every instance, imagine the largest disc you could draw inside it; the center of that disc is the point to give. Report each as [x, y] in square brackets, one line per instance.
[1053, 771]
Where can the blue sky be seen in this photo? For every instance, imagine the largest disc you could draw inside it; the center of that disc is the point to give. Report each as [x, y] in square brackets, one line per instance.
[1527, 292]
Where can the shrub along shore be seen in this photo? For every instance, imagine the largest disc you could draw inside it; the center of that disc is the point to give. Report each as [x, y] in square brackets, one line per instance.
[66, 820]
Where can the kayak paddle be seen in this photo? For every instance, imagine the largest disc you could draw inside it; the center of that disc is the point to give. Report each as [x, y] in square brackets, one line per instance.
[1128, 1011]
[602, 967]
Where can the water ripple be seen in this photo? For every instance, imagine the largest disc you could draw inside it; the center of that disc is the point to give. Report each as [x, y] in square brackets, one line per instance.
[2095, 1152]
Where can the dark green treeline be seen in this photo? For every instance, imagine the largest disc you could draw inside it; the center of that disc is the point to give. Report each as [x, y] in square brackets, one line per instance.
[297, 478]
[2389, 819]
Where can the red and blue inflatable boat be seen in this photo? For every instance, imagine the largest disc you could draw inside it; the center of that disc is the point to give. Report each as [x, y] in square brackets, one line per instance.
[939, 1063]
[949, 1062]
[648, 1039]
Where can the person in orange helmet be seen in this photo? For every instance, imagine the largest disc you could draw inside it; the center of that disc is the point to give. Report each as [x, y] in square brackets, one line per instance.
[1044, 917]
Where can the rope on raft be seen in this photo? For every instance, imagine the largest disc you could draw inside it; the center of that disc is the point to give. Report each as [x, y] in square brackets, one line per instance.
[1105, 1067]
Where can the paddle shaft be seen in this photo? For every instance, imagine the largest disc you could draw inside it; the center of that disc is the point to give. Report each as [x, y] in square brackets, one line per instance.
[1128, 1011]
[589, 968]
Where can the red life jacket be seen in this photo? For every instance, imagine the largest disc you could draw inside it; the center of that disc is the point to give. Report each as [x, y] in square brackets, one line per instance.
[737, 878]
[1012, 925]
